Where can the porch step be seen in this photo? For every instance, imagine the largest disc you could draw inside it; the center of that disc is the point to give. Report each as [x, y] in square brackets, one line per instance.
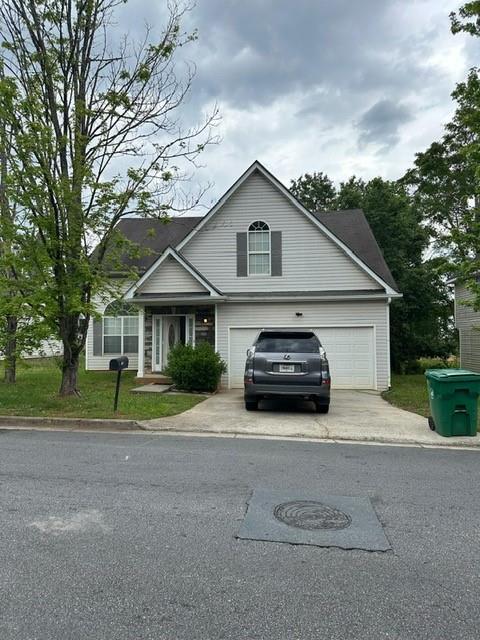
[153, 378]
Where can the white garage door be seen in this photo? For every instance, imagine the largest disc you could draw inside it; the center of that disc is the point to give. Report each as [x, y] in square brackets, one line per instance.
[350, 352]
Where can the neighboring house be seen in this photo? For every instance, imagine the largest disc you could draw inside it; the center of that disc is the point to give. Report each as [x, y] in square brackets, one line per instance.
[467, 322]
[46, 349]
[257, 259]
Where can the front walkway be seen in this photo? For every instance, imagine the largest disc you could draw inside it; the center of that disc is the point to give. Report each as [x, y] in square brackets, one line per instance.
[354, 415]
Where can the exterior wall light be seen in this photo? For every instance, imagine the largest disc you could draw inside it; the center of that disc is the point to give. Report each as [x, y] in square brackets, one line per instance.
[299, 314]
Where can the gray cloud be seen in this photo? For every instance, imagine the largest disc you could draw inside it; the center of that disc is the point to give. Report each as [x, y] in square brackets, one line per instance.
[253, 51]
[380, 124]
[302, 83]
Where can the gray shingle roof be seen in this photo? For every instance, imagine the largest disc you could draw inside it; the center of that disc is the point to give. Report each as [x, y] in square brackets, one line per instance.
[155, 236]
[352, 228]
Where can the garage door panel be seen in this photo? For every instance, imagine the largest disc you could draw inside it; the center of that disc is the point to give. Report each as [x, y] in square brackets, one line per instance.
[240, 341]
[350, 352]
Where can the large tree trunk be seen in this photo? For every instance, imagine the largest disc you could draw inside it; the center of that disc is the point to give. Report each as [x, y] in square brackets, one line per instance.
[69, 384]
[11, 350]
[72, 332]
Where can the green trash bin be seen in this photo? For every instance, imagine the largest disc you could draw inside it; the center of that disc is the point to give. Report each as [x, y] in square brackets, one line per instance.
[453, 395]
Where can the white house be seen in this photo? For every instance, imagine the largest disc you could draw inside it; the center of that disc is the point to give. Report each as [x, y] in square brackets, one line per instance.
[257, 259]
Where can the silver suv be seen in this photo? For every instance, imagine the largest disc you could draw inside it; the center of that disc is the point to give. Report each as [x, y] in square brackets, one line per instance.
[287, 363]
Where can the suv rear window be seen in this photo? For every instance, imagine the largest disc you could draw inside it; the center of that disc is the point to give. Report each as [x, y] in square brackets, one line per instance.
[284, 342]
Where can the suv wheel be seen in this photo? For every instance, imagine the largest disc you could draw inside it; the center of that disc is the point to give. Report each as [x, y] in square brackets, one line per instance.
[251, 405]
[322, 407]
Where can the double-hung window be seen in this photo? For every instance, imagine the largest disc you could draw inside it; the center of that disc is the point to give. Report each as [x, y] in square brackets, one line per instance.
[259, 252]
[120, 332]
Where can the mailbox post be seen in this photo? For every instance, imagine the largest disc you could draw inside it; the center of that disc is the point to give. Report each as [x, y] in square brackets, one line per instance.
[118, 365]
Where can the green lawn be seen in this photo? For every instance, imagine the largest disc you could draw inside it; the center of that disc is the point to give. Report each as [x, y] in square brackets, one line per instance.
[36, 394]
[409, 392]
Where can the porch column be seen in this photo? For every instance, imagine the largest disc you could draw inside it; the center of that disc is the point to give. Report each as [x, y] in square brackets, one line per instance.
[141, 341]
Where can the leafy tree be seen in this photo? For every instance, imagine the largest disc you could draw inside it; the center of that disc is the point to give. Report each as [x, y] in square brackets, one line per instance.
[443, 183]
[315, 191]
[20, 330]
[8, 320]
[446, 177]
[350, 194]
[96, 135]
[22, 326]
[420, 322]
[467, 19]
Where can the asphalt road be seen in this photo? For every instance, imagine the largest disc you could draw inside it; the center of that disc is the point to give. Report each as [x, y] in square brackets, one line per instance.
[120, 536]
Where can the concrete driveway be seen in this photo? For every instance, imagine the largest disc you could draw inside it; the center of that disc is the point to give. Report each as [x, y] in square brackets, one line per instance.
[354, 415]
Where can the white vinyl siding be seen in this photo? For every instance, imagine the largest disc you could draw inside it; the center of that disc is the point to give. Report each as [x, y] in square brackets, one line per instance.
[465, 316]
[470, 349]
[356, 323]
[310, 260]
[171, 277]
[467, 320]
[100, 363]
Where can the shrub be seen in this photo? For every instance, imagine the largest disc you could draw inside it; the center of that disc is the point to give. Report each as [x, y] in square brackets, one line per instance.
[196, 368]
[438, 363]
[412, 367]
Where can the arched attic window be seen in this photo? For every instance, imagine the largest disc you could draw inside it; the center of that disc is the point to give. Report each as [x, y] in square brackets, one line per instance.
[259, 249]
[120, 328]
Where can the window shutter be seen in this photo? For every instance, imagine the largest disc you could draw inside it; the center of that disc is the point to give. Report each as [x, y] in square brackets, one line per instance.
[242, 270]
[276, 253]
[97, 337]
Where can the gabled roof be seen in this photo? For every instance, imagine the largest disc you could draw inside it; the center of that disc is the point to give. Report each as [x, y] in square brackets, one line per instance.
[170, 252]
[348, 229]
[368, 239]
[351, 226]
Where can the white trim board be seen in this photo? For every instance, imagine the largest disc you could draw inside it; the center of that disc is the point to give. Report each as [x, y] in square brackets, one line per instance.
[141, 342]
[153, 364]
[237, 297]
[257, 166]
[389, 357]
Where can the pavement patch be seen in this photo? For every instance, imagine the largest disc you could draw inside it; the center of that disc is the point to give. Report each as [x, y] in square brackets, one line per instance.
[78, 522]
[320, 520]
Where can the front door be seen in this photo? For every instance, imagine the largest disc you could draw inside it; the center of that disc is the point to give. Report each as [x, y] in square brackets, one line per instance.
[170, 336]
[167, 332]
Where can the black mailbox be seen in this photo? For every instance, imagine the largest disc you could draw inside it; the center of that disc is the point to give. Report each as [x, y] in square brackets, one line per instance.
[118, 364]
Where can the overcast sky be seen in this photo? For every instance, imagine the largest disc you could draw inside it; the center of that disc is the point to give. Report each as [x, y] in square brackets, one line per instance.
[340, 86]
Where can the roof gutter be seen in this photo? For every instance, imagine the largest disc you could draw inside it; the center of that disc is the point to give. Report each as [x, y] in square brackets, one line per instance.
[178, 300]
[311, 298]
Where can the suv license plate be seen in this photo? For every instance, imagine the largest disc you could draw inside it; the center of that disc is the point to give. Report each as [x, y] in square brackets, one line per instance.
[286, 368]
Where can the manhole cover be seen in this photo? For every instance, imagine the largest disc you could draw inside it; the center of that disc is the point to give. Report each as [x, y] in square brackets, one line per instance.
[307, 514]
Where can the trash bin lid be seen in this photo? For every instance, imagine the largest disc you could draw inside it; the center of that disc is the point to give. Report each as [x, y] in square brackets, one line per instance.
[444, 375]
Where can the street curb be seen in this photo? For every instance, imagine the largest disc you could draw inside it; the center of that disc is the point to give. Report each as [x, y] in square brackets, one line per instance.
[99, 425]
[443, 443]
[35, 422]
